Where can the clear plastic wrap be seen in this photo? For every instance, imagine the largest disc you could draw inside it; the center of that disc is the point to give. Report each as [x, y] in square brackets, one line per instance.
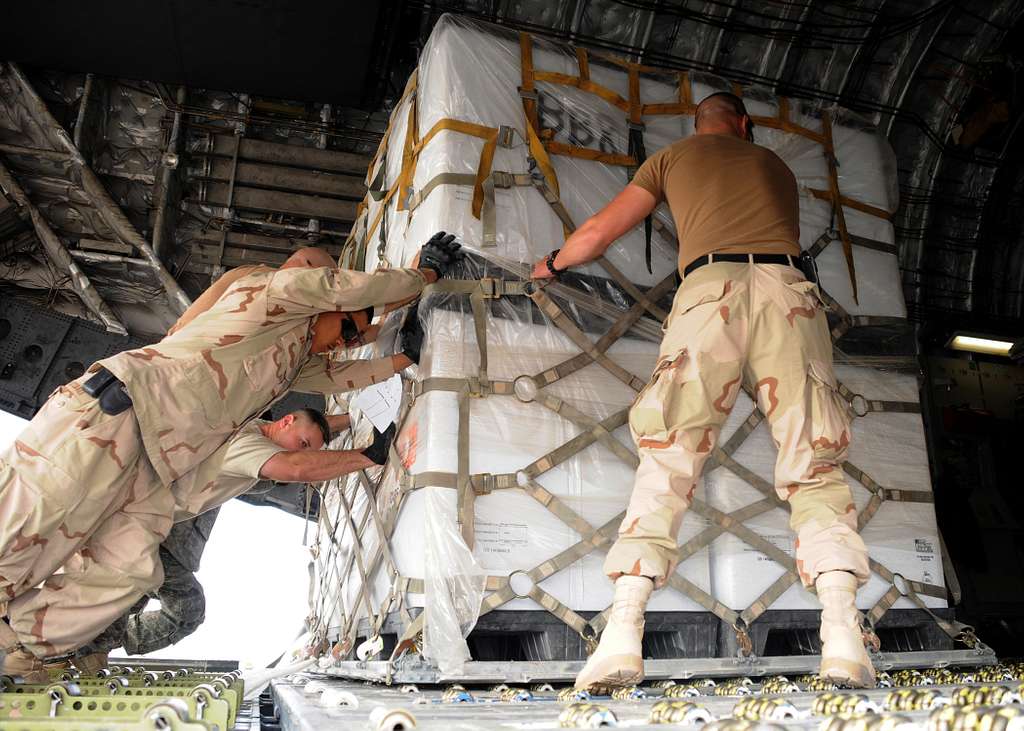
[453, 586]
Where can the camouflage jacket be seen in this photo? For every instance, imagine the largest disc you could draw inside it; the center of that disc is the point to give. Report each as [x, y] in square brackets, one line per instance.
[195, 388]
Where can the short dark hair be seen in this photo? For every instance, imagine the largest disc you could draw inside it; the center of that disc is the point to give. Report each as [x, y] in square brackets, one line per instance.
[320, 420]
[734, 101]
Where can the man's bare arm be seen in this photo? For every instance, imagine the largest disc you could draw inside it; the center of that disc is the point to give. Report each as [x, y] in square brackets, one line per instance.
[313, 466]
[598, 232]
[338, 422]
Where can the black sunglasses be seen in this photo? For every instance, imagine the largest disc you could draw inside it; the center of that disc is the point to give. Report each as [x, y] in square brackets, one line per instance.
[350, 332]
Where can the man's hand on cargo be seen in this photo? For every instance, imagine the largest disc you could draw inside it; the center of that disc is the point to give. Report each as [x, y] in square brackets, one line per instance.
[410, 337]
[546, 268]
[442, 254]
[377, 452]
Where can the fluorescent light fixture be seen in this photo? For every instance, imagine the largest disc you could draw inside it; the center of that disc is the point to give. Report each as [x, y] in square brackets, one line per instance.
[980, 344]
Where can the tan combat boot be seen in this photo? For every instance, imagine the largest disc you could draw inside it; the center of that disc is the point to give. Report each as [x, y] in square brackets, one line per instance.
[19, 661]
[89, 665]
[618, 660]
[844, 658]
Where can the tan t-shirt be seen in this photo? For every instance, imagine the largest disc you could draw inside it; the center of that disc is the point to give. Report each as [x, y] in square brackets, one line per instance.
[227, 473]
[726, 195]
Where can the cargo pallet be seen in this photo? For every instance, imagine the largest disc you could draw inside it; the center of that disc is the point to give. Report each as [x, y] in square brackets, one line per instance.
[538, 636]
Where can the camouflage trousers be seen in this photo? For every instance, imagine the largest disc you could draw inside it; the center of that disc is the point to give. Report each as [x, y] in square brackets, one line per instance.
[733, 323]
[182, 610]
[76, 490]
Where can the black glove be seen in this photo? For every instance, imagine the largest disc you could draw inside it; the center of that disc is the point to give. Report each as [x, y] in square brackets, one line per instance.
[377, 452]
[442, 254]
[411, 336]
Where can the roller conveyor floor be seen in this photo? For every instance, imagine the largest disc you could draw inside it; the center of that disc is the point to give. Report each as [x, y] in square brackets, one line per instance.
[946, 698]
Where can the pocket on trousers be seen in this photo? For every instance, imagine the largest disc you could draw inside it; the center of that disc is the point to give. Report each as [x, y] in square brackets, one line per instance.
[698, 293]
[809, 293]
[830, 415]
[648, 417]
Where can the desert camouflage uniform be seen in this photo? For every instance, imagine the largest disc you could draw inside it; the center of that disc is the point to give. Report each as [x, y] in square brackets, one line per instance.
[182, 602]
[230, 471]
[80, 479]
[735, 323]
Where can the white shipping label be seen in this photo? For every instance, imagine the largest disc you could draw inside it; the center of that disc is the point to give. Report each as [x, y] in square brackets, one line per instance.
[501, 537]
[380, 402]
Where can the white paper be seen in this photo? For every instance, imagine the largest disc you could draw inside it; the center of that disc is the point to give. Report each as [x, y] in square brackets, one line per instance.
[380, 402]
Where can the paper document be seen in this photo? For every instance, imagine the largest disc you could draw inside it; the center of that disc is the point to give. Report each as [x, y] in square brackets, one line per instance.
[380, 402]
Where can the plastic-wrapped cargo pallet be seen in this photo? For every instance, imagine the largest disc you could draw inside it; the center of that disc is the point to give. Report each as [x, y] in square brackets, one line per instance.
[507, 140]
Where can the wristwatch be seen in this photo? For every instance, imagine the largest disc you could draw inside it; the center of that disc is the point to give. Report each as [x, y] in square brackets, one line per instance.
[550, 261]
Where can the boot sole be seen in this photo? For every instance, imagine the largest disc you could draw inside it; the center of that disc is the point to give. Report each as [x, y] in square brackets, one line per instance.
[617, 671]
[848, 672]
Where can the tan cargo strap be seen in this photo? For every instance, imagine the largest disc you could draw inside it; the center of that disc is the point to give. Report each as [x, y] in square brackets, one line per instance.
[371, 501]
[592, 539]
[489, 287]
[887, 493]
[577, 444]
[957, 631]
[384, 527]
[883, 605]
[329, 559]
[865, 243]
[745, 534]
[819, 245]
[735, 441]
[470, 385]
[837, 203]
[769, 596]
[555, 505]
[484, 483]
[466, 496]
[848, 321]
[862, 406]
[497, 179]
[489, 218]
[851, 321]
[410, 89]
[853, 203]
[749, 476]
[357, 551]
[527, 91]
[565, 324]
[920, 587]
[604, 435]
[480, 311]
[417, 197]
[644, 300]
[418, 586]
[490, 136]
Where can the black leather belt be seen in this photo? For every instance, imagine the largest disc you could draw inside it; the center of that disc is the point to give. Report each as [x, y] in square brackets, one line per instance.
[700, 261]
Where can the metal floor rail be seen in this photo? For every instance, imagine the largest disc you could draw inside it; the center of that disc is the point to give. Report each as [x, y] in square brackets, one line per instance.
[129, 698]
[937, 697]
[413, 669]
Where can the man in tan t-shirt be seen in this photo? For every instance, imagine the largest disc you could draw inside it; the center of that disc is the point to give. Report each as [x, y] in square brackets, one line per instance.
[286, 450]
[744, 313]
